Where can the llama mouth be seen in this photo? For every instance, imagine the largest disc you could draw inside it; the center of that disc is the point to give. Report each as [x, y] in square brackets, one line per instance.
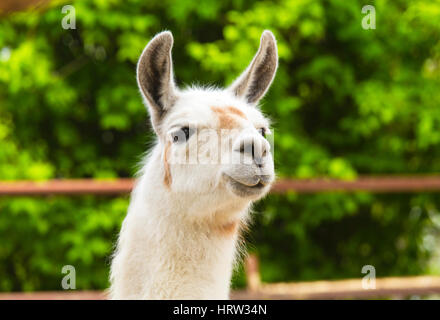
[244, 190]
[259, 185]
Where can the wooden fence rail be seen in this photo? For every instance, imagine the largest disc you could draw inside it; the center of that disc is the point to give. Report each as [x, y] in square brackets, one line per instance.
[395, 287]
[379, 184]
[392, 287]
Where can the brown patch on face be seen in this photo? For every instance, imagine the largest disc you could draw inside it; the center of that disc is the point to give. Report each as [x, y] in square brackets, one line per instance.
[237, 112]
[228, 116]
[167, 177]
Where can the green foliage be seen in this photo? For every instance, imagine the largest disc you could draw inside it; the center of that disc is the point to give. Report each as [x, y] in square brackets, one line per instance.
[346, 101]
[40, 236]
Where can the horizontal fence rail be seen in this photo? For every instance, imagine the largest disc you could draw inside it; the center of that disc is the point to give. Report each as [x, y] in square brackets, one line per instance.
[379, 184]
[396, 287]
[67, 187]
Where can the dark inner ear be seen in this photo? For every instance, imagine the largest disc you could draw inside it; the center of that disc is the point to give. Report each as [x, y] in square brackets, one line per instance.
[256, 79]
[154, 74]
[262, 76]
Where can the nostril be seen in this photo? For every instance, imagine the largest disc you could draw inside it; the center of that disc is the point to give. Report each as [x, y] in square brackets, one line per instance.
[258, 162]
[254, 148]
[247, 147]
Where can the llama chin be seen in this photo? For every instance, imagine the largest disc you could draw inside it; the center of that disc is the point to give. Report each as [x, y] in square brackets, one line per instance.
[180, 237]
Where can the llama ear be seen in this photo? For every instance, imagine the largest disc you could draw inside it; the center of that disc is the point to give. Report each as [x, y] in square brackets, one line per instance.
[155, 77]
[256, 79]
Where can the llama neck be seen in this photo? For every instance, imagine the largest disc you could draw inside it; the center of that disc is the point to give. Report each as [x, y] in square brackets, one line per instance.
[174, 255]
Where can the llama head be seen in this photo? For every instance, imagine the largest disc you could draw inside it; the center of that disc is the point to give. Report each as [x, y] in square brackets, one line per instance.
[212, 140]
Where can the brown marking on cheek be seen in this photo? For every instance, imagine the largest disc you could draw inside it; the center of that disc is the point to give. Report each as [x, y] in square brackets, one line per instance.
[187, 154]
[167, 177]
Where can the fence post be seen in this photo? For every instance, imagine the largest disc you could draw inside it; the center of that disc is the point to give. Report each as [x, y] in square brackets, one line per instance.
[252, 272]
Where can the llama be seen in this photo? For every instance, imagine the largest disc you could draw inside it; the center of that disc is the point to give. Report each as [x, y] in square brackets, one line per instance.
[180, 238]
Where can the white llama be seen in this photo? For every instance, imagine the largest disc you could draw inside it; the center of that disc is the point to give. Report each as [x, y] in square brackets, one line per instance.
[180, 236]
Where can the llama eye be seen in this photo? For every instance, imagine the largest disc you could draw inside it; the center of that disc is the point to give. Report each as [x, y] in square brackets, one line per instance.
[182, 135]
[262, 131]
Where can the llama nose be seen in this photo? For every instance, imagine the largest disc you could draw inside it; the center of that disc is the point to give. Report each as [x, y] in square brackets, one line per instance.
[255, 147]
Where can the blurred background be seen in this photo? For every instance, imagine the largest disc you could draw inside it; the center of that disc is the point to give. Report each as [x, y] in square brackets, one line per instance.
[346, 102]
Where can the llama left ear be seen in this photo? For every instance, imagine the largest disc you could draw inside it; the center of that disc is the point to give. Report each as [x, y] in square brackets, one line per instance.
[155, 77]
[256, 79]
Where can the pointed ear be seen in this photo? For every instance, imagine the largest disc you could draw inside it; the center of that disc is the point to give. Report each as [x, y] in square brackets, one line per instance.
[256, 79]
[155, 77]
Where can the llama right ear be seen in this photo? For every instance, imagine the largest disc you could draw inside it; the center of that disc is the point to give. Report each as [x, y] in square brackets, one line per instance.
[155, 77]
[256, 79]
